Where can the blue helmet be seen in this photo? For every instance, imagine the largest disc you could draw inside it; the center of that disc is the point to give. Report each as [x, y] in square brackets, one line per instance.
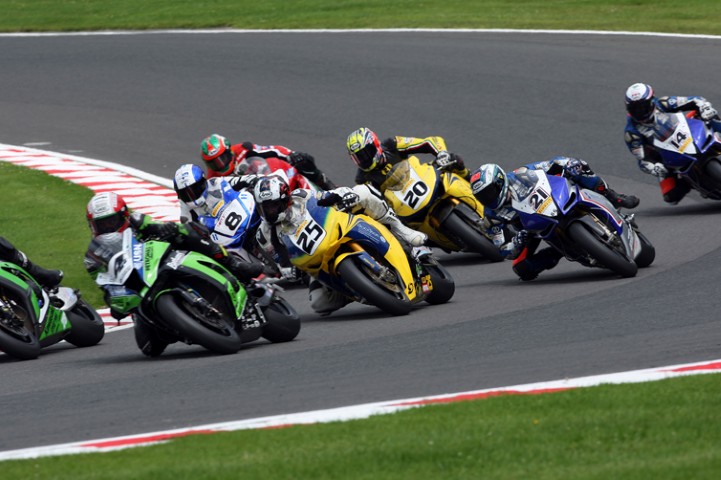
[191, 185]
[489, 185]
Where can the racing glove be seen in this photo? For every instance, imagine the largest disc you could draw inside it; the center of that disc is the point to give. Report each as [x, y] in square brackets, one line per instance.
[342, 202]
[446, 161]
[706, 111]
[576, 167]
[302, 161]
[162, 231]
[657, 169]
[238, 183]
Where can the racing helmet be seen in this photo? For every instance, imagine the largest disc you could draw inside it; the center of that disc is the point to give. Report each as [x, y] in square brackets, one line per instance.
[640, 102]
[365, 149]
[253, 165]
[107, 212]
[272, 197]
[490, 185]
[191, 185]
[217, 154]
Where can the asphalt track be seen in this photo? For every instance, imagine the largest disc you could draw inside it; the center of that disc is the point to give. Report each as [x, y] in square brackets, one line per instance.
[147, 101]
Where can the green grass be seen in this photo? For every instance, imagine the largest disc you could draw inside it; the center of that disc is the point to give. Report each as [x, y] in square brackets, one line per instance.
[660, 430]
[693, 16]
[44, 216]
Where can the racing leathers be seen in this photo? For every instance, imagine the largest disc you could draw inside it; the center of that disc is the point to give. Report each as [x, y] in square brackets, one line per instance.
[47, 278]
[639, 140]
[293, 163]
[396, 149]
[190, 236]
[503, 221]
[358, 199]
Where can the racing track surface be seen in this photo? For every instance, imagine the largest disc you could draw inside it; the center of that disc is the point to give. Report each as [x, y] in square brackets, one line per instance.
[148, 100]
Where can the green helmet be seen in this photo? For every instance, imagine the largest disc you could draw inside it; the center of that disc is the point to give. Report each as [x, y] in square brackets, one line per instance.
[217, 154]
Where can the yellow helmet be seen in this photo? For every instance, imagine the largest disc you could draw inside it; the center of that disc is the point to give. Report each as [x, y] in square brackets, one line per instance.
[365, 149]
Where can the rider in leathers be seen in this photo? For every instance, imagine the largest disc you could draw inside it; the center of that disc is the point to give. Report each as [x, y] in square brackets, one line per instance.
[359, 199]
[490, 180]
[641, 107]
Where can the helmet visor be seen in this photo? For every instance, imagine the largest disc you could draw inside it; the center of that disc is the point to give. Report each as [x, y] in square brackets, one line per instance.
[489, 195]
[642, 110]
[192, 192]
[112, 223]
[221, 163]
[367, 157]
[271, 210]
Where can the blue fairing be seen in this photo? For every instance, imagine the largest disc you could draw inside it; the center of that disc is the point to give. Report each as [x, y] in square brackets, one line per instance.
[560, 193]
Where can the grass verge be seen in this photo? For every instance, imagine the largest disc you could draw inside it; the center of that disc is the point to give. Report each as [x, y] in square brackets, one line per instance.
[664, 430]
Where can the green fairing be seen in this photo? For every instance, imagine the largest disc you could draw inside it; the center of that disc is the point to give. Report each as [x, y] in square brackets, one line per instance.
[55, 322]
[236, 292]
[154, 252]
[4, 273]
[125, 303]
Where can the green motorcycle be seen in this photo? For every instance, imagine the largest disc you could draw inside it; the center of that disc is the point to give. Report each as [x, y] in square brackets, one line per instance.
[179, 295]
[32, 317]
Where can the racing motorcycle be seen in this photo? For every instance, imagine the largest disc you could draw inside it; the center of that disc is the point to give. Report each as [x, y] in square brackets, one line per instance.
[580, 223]
[360, 258]
[178, 295]
[33, 317]
[439, 204]
[690, 149]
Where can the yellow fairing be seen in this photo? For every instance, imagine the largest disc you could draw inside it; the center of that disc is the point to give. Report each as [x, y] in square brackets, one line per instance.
[415, 189]
[326, 236]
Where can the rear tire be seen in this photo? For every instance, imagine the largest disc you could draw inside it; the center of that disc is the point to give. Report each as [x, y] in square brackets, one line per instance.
[283, 321]
[609, 258]
[473, 240]
[224, 340]
[87, 328]
[371, 292]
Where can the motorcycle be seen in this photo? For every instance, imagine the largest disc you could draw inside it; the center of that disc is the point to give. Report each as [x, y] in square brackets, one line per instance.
[579, 223]
[690, 149]
[178, 295]
[439, 204]
[33, 317]
[360, 258]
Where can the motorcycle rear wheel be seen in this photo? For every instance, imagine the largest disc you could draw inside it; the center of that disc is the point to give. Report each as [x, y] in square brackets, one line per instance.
[87, 328]
[283, 321]
[371, 292]
[472, 239]
[595, 246]
[224, 340]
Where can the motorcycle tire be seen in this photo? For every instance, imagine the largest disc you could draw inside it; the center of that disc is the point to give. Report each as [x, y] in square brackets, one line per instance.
[223, 340]
[648, 252]
[443, 284]
[608, 257]
[473, 240]
[283, 321]
[19, 343]
[87, 328]
[147, 338]
[370, 291]
[713, 170]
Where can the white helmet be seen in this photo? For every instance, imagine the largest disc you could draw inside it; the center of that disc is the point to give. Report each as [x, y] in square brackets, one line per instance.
[191, 185]
[490, 185]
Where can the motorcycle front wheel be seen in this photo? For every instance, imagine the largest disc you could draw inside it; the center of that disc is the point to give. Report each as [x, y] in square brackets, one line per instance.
[472, 239]
[370, 291]
[283, 321]
[217, 336]
[598, 249]
[86, 326]
[18, 342]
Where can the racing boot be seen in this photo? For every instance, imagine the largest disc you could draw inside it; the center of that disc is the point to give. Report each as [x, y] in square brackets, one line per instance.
[46, 278]
[243, 271]
[619, 200]
[408, 235]
[528, 268]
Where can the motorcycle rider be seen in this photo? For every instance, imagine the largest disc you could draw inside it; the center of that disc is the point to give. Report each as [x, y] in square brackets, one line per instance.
[494, 189]
[221, 159]
[282, 213]
[641, 107]
[46, 278]
[108, 213]
[375, 159]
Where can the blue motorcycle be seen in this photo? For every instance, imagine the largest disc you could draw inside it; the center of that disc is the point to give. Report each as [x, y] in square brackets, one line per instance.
[233, 222]
[579, 223]
[690, 148]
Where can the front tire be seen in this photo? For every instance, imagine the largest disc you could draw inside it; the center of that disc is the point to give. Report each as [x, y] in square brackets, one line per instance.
[87, 328]
[371, 292]
[221, 338]
[713, 170]
[473, 240]
[648, 252]
[596, 247]
[444, 287]
[283, 321]
[18, 342]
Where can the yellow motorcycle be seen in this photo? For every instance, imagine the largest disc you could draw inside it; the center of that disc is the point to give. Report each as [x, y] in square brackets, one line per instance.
[360, 258]
[439, 204]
